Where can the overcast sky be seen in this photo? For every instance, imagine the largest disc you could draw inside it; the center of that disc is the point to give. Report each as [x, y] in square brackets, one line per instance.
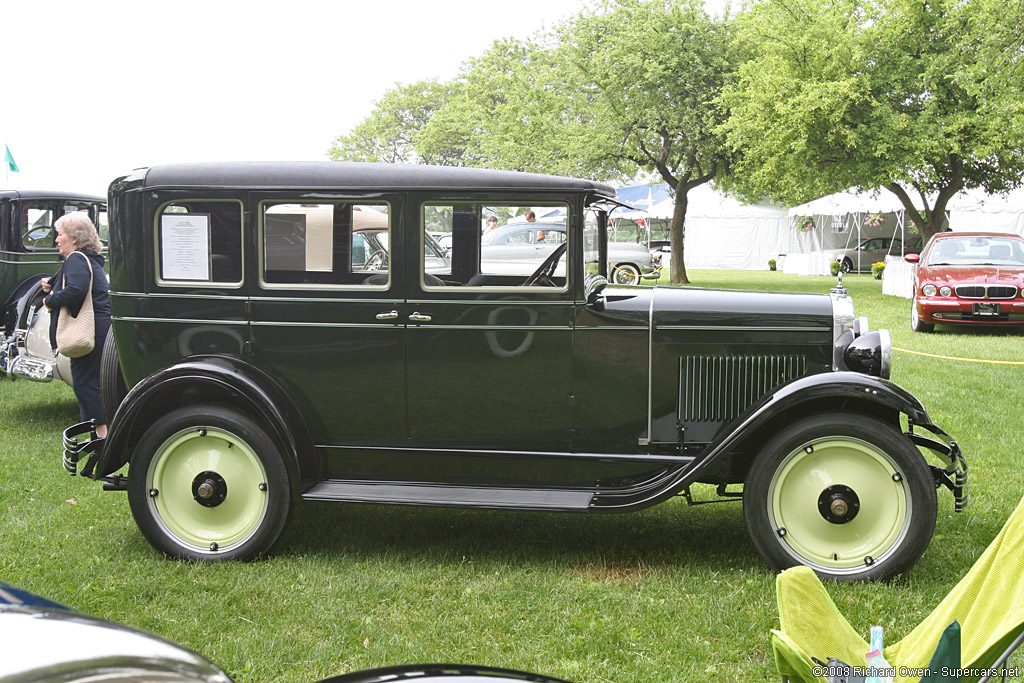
[95, 89]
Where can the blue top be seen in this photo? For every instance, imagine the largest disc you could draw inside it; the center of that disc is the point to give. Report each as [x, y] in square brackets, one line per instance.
[69, 287]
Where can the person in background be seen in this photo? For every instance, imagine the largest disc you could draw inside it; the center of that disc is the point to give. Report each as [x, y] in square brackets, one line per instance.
[531, 217]
[75, 232]
[492, 223]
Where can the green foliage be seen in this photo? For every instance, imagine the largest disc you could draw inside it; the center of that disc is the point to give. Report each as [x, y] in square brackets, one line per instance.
[389, 133]
[848, 93]
[625, 89]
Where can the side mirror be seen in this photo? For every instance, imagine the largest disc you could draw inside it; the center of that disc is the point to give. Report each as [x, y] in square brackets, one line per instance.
[593, 285]
[911, 258]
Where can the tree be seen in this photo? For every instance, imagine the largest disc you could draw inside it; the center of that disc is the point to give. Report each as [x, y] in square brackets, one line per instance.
[389, 133]
[654, 70]
[629, 88]
[853, 93]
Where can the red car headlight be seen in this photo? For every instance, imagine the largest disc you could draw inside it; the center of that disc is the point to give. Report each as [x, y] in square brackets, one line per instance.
[929, 290]
[945, 291]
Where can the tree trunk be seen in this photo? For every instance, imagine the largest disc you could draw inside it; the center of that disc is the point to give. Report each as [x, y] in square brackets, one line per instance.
[677, 271]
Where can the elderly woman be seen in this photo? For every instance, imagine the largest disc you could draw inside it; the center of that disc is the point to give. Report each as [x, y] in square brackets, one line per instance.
[75, 232]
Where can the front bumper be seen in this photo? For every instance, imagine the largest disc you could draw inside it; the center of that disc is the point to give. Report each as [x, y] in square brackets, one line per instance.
[954, 475]
[14, 362]
[940, 309]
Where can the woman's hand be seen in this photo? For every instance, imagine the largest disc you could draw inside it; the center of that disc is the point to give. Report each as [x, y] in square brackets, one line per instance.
[47, 287]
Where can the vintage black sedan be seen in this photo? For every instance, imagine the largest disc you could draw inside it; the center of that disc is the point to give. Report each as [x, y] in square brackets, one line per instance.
[261, 375]
[28, 254]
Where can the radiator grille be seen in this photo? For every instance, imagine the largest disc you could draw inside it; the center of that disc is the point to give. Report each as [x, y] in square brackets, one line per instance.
[720, 388]
[990, 292]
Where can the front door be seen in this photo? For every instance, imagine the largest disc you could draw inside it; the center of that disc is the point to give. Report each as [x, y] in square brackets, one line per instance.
[489, 354]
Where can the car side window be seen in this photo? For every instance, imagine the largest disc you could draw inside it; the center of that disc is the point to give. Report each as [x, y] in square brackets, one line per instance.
[339, 244]
[37, 225]
[494, 245]
[199, 242]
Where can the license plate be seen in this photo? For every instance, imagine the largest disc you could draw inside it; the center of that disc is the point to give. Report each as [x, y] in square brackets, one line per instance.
[986, 309]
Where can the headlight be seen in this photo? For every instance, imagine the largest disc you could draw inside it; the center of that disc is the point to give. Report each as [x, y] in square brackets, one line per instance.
[870, 354]
[929, 290]
[945, 291]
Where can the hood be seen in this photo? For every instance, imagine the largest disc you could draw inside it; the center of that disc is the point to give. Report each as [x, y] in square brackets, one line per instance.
[988, 275]
[742, 310]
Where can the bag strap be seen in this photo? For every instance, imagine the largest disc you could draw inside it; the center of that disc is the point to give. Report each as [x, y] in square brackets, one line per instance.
[88, 292]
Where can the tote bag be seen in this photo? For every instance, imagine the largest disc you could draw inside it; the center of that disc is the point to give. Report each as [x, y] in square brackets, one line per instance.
[76, 335]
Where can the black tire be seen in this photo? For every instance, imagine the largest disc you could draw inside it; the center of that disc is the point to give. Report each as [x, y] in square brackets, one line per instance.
[796, 490]
[846, 266]
[218, 455]
[916, 324]
[626, 274]
[112, 385]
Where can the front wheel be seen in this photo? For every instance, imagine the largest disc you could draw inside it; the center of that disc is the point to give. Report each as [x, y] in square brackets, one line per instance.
[847, 495]
[916, 324]
[626, 274]
[207, 483]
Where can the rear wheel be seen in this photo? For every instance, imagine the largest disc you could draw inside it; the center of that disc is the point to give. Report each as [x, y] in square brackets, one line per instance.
[846, 266]
[112, 385]
[916, 324]
[847, 495]
[208, 483]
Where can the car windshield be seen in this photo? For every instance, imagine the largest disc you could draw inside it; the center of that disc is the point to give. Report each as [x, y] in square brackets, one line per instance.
[977, 250]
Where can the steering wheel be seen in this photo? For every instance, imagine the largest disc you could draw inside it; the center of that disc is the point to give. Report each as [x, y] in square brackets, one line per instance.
[378, 261]
[544, 272]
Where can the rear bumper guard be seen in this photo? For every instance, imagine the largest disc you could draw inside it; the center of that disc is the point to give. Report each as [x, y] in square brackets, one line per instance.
[74, 449]
[954, 475]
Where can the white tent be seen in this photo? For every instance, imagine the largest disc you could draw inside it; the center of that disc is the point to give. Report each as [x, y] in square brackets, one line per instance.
[976, 210]
[721, 232]
[839, 220]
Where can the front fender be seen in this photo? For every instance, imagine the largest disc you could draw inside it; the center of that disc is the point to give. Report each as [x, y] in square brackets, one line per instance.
[208, 379]
[849, 391]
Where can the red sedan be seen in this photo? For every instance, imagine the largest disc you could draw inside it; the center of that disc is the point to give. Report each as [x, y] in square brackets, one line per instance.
[969, 277]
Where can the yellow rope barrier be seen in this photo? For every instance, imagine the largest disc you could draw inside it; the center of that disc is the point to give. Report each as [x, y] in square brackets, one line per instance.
[966, 360]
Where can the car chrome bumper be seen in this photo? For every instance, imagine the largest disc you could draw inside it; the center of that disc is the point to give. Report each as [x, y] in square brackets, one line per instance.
[954, 475]
[75, 449]
[16, 364]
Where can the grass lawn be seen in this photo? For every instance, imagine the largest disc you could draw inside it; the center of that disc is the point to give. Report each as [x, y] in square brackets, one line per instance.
[673, 593]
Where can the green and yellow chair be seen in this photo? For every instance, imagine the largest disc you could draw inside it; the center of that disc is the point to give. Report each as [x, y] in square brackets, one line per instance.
[988, 603]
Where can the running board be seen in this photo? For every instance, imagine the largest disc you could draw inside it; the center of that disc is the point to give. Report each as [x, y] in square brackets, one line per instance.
[451, 496]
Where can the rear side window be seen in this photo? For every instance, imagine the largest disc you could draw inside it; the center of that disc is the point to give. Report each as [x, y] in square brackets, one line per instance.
[339, 244]
[200, 242]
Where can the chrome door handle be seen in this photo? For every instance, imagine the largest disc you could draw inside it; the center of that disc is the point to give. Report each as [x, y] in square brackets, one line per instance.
[391, 315]
[419, 318]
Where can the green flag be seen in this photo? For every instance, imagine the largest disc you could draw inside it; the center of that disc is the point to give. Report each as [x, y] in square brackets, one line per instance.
[10, 159]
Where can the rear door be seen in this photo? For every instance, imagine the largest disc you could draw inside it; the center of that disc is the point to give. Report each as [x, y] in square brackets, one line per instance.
[328, 315]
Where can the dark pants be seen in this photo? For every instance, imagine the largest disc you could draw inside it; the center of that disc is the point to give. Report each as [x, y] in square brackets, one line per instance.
[85, 374]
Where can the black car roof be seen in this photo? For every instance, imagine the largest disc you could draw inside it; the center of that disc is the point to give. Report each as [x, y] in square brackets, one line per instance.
[358, 175]
[45, 194]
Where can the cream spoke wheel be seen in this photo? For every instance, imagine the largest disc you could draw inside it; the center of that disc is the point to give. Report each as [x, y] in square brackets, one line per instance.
[208, 489]
[208, 483]
[846, 494]
[839, 504]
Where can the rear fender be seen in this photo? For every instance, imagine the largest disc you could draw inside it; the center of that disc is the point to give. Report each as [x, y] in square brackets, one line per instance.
[210, 379]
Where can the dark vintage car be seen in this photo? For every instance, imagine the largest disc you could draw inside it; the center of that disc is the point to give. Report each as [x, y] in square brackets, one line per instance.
[258, 379]
[45, 642]
[968, 278]
[28, 254]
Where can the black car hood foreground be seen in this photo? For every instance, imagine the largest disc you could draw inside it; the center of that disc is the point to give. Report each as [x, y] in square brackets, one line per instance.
[54, 643]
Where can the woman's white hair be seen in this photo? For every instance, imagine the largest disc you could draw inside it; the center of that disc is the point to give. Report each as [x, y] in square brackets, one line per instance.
[79, 228]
